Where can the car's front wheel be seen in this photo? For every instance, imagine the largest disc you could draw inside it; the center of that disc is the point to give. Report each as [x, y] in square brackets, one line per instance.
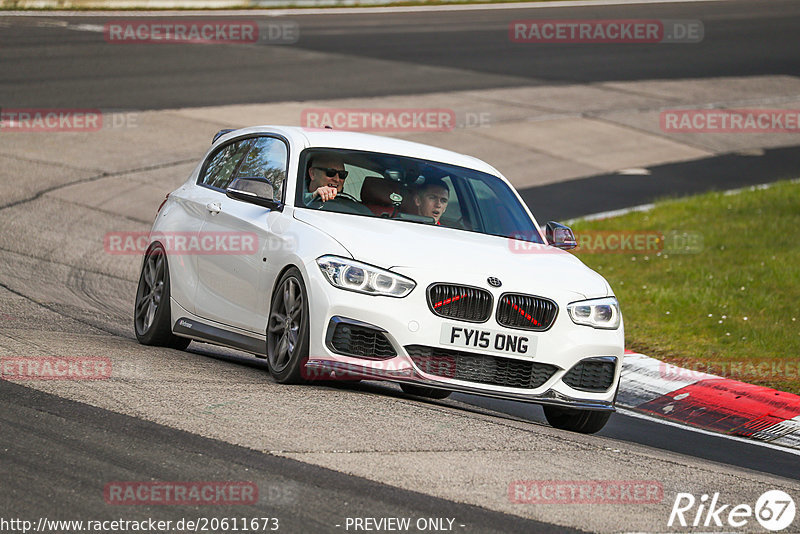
[152, 315]
[287, 329]
[583, 421]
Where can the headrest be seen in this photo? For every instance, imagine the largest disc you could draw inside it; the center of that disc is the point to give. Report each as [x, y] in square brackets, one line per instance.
[376, 190]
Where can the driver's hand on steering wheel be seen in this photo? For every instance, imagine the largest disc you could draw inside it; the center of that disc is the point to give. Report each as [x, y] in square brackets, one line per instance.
[326, 193]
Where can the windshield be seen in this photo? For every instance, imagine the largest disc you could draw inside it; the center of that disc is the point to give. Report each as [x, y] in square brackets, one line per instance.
[411, 190]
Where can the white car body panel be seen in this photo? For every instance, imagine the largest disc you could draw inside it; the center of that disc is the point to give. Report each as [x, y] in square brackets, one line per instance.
[390, 244]
[232, 293]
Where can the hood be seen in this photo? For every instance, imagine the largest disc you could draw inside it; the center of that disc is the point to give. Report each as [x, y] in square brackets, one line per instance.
[447, 254]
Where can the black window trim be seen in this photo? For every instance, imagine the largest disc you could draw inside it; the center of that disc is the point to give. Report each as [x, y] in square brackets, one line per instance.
[207, 162]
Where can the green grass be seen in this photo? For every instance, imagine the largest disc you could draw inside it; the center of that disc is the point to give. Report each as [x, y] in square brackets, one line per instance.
[732, 307]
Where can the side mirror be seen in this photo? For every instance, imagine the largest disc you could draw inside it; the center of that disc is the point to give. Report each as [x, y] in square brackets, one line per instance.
[255, 191]
[560, 236]
[221, 133]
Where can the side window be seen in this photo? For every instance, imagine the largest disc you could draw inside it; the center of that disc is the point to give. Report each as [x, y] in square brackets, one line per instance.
[267, 159]
[219, 171]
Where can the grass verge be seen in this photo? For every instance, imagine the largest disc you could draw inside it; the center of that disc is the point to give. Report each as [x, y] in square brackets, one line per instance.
[710, 283]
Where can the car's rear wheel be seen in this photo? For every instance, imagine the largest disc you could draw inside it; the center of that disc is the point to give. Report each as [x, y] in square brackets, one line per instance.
[422, 391]
[287, 329]
[152, 315]
[583, 421]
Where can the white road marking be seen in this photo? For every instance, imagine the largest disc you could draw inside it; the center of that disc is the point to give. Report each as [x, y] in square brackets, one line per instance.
[87, 28]
[635, 171]
[644, 379]
[625, 411]
[612, 213]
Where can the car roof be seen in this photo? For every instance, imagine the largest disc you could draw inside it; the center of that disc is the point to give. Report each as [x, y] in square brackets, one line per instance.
[329, 138]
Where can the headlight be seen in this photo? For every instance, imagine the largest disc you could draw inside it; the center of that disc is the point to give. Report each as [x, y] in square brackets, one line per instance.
[597, 313]
[356, 276]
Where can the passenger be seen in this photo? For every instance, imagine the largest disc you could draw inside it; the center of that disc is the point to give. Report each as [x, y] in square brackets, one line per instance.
[431, 198]
[326, 176]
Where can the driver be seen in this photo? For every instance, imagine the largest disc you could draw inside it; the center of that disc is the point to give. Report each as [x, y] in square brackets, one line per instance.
[431, 198]
[326, 177]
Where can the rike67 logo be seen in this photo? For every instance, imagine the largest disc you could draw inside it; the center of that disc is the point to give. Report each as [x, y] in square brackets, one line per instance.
[774, 510]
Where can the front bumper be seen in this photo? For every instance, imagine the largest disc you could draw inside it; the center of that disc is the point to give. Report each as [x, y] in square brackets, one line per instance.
[408, 322]
[336, 369]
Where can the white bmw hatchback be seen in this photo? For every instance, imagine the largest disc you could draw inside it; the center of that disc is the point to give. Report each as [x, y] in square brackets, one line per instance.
[340, 255]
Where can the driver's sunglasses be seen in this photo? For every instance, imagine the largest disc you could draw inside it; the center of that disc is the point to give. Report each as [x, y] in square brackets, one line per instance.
[330, 173]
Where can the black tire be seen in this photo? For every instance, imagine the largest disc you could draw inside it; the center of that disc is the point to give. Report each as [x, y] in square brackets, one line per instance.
[422, 391]
[583, 421]
[152, 317]
[287, 329]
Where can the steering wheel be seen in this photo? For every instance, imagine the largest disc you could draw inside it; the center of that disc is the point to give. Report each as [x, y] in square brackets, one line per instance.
[342, 196]
[346, 196]
[345, 200]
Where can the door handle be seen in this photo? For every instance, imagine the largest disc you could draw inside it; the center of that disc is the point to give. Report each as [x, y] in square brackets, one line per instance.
[214, 207]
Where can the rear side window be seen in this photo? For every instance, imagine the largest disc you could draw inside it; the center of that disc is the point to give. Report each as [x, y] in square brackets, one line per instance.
[223, 163]
[267, 158]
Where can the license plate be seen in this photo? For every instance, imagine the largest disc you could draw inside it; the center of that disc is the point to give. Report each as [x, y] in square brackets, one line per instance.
[482, 339]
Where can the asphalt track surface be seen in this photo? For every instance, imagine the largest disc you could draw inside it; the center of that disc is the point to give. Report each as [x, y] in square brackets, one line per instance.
[49, 443]
[595, 194]
[342, 56]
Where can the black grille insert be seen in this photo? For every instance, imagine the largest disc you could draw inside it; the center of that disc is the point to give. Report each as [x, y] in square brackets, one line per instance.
[361, 341]
[460, 302]
[480, 368]
[526, 312]
[591, 375]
